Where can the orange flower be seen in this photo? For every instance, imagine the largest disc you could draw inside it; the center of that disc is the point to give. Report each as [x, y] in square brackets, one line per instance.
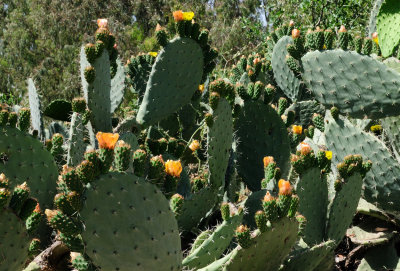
[107, 140]
[268, 197]
[178, 15]
[342, 29]
[304, 148]
[267, 160]
[284, 187]
[195, 145]
[201, 88]
[297, 129]
[295, 33]
[173, 168]
[102, 23]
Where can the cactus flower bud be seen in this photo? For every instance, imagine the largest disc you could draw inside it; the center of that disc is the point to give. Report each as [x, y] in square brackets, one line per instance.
[295, 33]
[297, 129]
[173, 168]
[102, 23]
[284, 187]
[195, 145]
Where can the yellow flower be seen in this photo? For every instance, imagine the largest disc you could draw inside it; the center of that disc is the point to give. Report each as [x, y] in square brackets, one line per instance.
[173, 168]
[195, 145]
[102, 23]
[375, 38]
[297, 129]
[376, 128]
[188, 16]
[201, 88]
[153, 54]
[267, 160]
[107, 140]
[328, 155]
[178, 15]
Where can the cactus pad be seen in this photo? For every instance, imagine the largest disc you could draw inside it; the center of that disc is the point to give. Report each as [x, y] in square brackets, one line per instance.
[76, 144]
[261, 133]
[388, 26]
[36, 108]
[14, 242]
[358, 85]
[117, 86]
[174, 78]
[381, 184]
[59, 110]
[129, 225]
[27, 160]
[373, 17]
[284, 76]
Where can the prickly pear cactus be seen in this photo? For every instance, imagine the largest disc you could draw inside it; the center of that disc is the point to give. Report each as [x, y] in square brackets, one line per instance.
[388, 23]
[76, 144]
[117, 86]
[257, 126]
[35, 106]
[373, 17]
[59, 110]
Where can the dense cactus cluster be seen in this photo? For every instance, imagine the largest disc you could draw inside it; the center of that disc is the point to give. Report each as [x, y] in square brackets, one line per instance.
[259, 166]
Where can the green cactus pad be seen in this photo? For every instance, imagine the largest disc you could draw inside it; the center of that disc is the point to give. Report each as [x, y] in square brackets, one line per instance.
[174, 78]
[309, 258]
[59, 110]
[261, 133]
[76, 144]
[213, 247]
[97, 94]
[27, 160]
[381, 184]
[14, 242]
[129, 225]
[358, 85]
[373, 17]
[393, 63]
[391, 125]
[388, 26]
[284, 76]
[368, 234]
[219, 143]
[252, 205]
[304, 112]
[383, 257]
[313, 193]
[268, 250]
[196, 207]
[117, 87]
[343, 208]
[36, 108]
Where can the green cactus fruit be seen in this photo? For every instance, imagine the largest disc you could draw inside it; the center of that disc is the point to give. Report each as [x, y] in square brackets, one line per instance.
[90, 52]
[62, 203]
[71, 180]
[270, 207]
[329, 38]
[162, 145]
[79, 262]
[106, 157]
[293, 65]
[242, 91]
[343, 38]
[62, 222]
[24, 119]
[209, 120]
[33, 221]
[180, 28]
[284, 204]
[90, 74]
[319, 38]
[318, 121]
[5, 196]
[176, 203]
[102, 34]
[79, 105]
[93, 157]
[293, 52]
[19, 196]
[86, 171]
[376, 49]
[225, 211]
[4, 182]
[261, 221]
[335, 112]
[358, 44]
[250, 89]
[161, 36]
[294, 204]
[242, 64]
[75, 200]
[99, 47]
[73, 242]
[4, 117]
[243, 236]
[139, 162]
[195, 31]
[12, 119]
[34, 247]
[203, 37]
[156, 169]
[214, 99]
[367, 48]
[309, 42]
[282, 105]
[258, 89]
[269, 93]
[122, 157]
[29, 206]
